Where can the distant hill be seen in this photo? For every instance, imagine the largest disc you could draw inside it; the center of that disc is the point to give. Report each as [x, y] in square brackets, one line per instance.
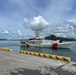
[3, 39]
[53, 37]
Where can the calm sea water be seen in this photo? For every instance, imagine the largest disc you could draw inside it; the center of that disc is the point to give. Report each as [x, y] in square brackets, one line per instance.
[14, 45]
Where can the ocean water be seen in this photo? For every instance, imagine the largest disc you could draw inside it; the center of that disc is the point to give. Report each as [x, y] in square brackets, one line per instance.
[15, 46]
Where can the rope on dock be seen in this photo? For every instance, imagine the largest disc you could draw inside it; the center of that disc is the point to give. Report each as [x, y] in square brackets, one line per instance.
[6, 49]
[47, 55]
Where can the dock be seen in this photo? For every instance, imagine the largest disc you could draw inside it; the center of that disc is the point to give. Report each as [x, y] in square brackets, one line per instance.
[13, 63]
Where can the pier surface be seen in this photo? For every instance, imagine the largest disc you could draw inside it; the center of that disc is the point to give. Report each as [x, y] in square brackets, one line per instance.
[12, 63]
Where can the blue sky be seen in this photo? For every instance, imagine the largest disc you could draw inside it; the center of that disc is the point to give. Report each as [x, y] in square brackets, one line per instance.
[59, 14]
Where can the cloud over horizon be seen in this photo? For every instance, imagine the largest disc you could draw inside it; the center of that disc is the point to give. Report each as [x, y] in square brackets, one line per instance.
[65, 29]
[36, 23]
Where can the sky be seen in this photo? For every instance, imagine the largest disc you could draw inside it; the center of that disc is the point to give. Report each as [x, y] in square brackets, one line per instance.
[21, 18]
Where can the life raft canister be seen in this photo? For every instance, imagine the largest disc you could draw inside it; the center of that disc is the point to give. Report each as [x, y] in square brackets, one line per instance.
[55, 45]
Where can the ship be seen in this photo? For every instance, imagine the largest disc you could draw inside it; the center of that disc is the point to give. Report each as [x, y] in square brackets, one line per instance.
[39, 41]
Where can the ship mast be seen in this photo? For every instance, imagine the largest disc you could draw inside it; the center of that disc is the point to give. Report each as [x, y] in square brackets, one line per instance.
[37, 35]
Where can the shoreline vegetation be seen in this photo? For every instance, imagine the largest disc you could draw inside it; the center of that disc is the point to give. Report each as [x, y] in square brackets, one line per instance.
[51, 37]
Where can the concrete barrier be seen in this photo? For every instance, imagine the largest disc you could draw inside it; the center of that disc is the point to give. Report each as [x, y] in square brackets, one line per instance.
[6, 49]
[47, 55]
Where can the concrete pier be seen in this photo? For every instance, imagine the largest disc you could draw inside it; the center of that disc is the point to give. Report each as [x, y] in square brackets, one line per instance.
[19, 64]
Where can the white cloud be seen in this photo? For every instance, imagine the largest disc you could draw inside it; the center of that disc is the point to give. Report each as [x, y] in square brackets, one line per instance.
[60, 34]
[66, 29]
[26, 23]
[72, 22]
[6, 32]
[14, 35]
[26, 20]
[19, 32]
[36, 24]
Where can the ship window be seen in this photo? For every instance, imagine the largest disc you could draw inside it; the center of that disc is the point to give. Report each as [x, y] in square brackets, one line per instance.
[23, 42]
[33, 42]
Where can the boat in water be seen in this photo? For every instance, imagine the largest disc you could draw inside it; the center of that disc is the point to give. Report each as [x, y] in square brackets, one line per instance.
[41, 42]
